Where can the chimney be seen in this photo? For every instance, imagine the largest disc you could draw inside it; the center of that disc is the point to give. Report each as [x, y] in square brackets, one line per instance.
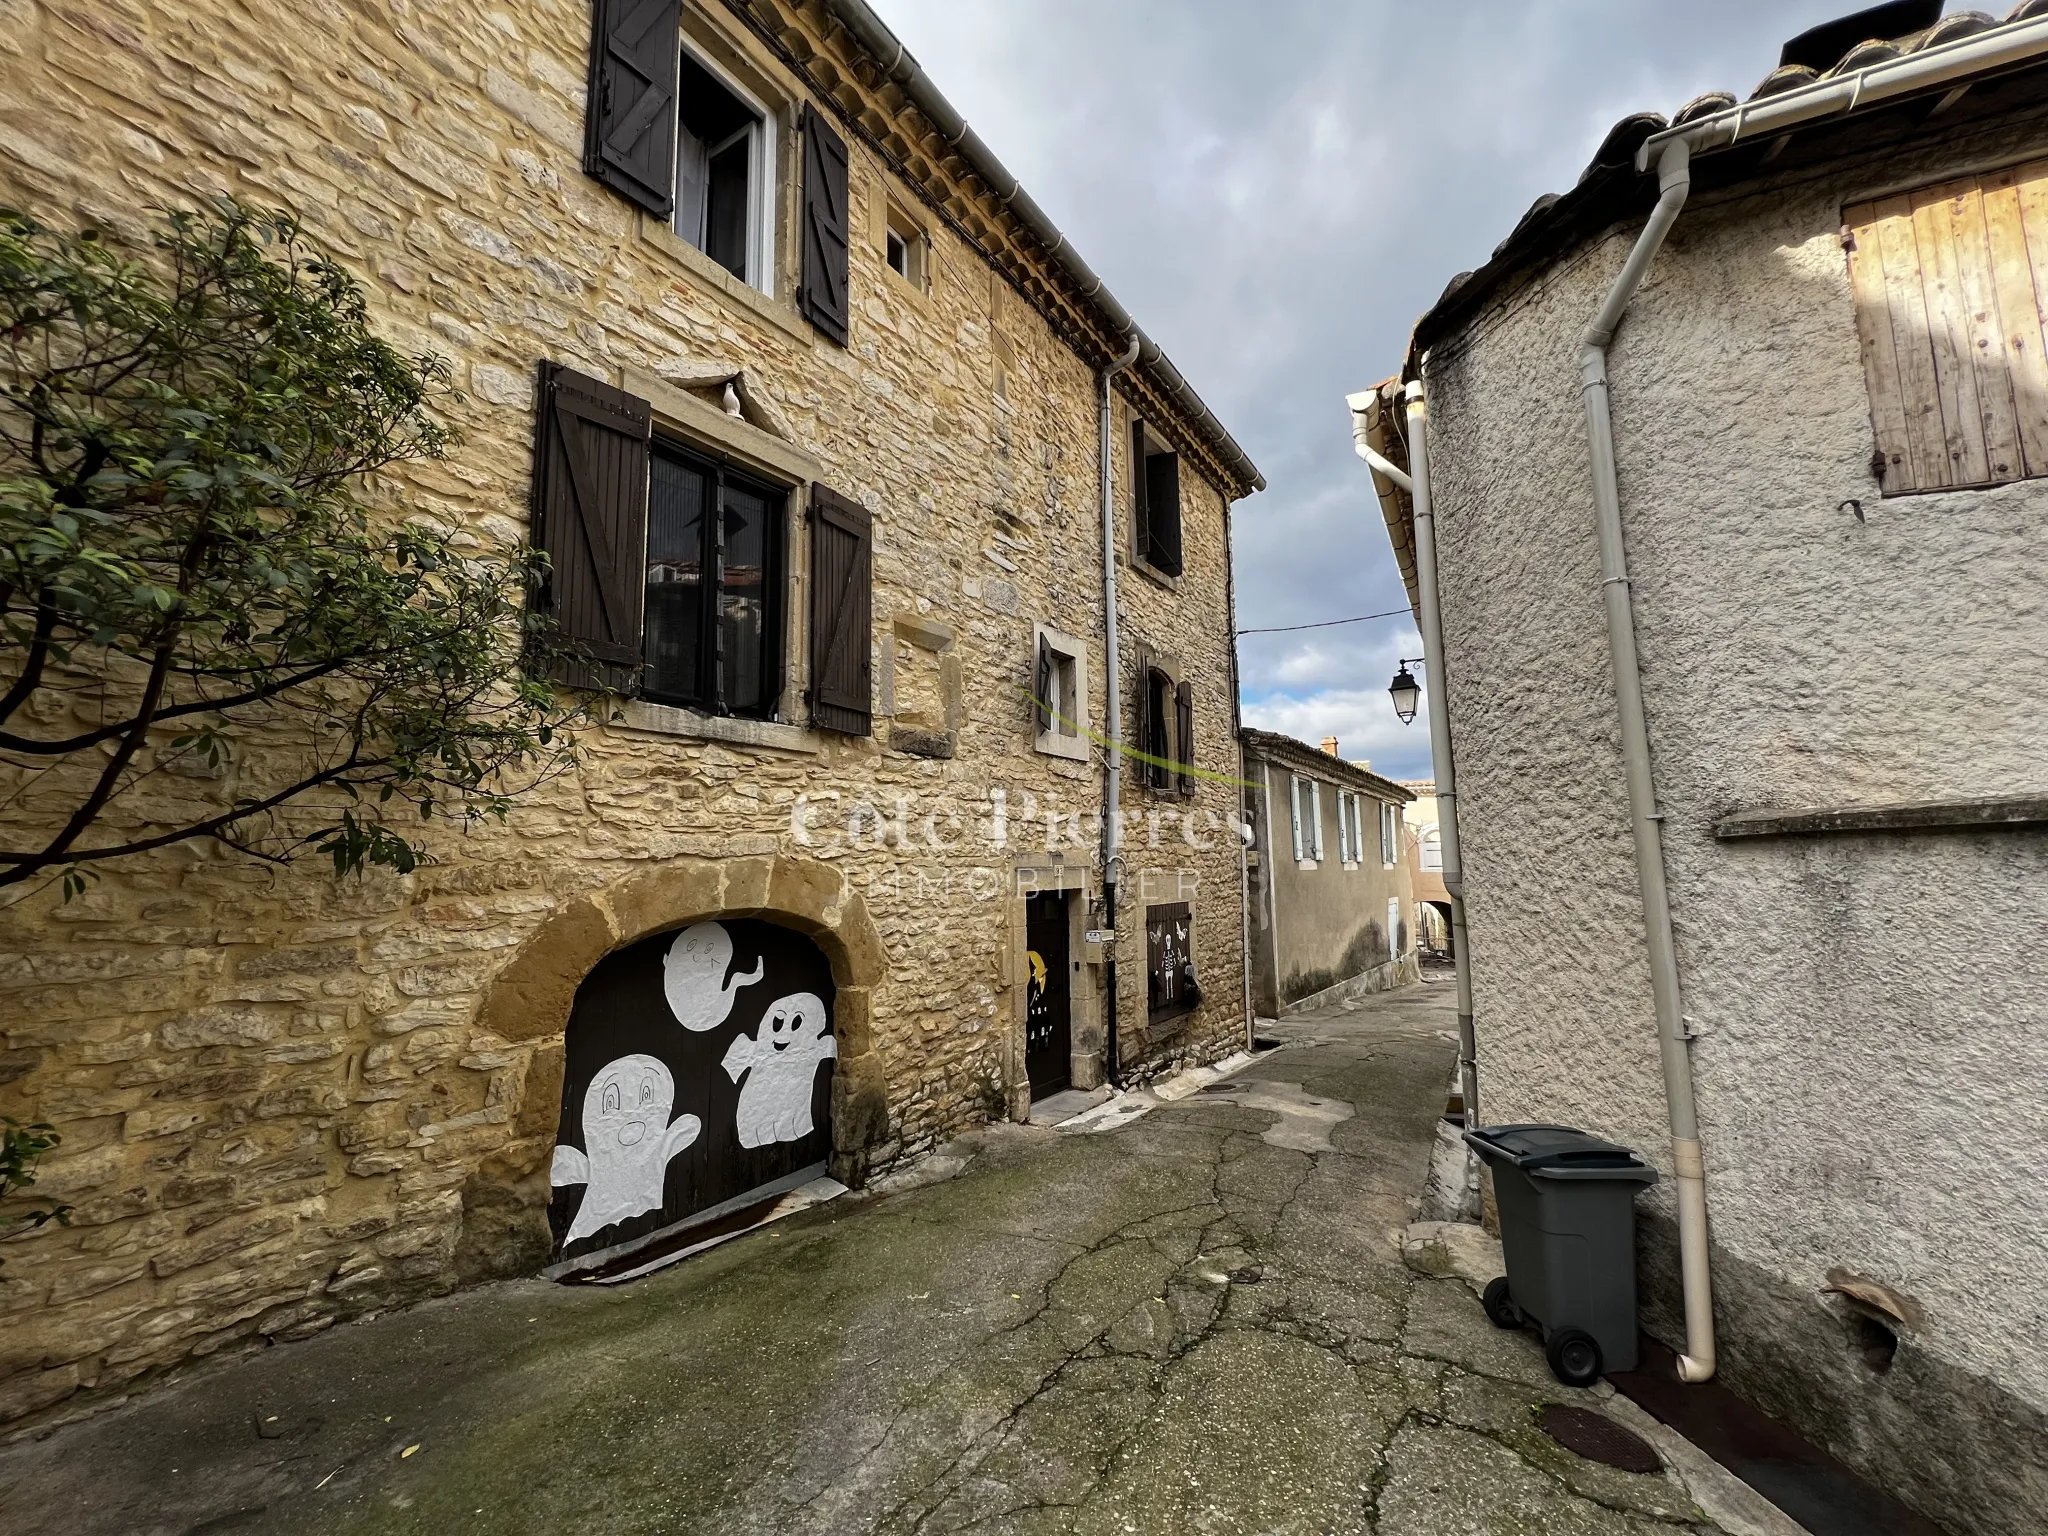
[1330, 745]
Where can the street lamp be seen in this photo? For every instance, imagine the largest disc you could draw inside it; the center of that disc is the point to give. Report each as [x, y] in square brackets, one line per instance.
[1406, 692]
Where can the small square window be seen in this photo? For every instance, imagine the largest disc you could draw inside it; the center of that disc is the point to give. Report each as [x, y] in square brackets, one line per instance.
[1060, 695]
[904, 247]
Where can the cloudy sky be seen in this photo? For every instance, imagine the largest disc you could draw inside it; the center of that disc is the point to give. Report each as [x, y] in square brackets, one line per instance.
[1277, 191]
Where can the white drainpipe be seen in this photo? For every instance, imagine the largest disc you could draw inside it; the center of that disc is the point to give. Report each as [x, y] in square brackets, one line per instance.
[1113, 721]
[1674, 174]
[1429, 614]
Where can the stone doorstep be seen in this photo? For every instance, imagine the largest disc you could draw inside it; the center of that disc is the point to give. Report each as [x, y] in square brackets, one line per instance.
[1450, 1249]
[1058, 1108]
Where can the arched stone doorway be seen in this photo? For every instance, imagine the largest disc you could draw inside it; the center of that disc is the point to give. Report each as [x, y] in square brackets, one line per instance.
[697, 1080]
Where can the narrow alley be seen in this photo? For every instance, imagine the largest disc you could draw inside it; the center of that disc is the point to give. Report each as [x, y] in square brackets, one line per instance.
[1197, 1321]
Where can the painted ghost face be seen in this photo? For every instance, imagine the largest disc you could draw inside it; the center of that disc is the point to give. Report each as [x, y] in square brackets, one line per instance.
[625, 1104]
[777, 1067]
[627, 1144]
[693, 976]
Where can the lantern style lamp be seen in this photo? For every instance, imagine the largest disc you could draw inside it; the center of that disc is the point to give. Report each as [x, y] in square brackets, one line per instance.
[1406, 693]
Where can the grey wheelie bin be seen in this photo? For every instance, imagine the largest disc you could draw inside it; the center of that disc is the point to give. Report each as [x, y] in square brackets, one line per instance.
[1568, 1230]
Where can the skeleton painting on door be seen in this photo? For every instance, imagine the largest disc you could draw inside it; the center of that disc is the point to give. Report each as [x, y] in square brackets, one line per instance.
[697, 1069]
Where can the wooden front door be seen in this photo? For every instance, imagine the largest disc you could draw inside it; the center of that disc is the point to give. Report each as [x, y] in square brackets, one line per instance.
[1048, 1022]
[698, 1069]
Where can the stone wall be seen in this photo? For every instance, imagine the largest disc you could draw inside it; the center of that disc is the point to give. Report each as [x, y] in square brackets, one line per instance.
[1867, 1011]
[287, 1099]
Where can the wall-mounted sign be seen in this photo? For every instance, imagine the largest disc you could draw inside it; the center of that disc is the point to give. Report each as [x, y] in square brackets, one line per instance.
[1100, 936]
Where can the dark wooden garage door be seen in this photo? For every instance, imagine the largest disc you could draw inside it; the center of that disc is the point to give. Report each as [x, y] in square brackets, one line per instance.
[698, 1069]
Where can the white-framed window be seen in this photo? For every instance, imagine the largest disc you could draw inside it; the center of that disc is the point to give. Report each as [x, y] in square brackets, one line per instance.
[1307, 801]
[1432, 851]
[905, 247]
[725, 171]
[1060, 694]
[1350, 829]
[1390, 834]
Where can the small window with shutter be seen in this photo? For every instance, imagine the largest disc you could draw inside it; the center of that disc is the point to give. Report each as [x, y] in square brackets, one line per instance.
[1059, 695]
[1951, 288]
[842, 613]
[1155, 501]
[1184, 734]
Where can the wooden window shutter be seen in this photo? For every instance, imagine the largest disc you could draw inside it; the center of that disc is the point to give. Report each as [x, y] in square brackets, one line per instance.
[1294, 812]
[629, 129]
[842, 613]
[1141, 512]
[1951, 287]
[1162, 505]
[591, 454]
[826, 228]
[1041, 690]
[1184, 734]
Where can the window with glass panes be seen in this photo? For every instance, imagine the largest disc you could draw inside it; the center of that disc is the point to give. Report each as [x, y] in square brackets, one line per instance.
[714, 564]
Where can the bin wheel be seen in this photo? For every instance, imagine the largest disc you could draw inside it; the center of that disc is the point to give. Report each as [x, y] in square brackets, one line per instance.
[1501, 1310]
[1574, 1357]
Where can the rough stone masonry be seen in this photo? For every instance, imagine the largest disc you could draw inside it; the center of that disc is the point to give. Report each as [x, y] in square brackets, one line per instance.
[286, 1099]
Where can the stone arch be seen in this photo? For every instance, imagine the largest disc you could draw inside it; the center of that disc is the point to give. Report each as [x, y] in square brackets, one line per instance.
[530, 1000]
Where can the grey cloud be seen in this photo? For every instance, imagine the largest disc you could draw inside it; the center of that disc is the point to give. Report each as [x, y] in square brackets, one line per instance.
[1278, 191]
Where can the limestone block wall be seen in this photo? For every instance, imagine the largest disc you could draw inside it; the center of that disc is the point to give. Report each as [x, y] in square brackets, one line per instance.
[287, 1099]
[1868, 1011]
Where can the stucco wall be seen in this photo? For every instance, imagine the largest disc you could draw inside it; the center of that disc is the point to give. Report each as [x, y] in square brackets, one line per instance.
[1869, 1011]
[286, 1099]
[1324, 925]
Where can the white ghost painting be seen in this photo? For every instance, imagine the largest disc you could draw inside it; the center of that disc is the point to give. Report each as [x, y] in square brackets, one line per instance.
[780, 1066]
[693, 976]
[627, 1144]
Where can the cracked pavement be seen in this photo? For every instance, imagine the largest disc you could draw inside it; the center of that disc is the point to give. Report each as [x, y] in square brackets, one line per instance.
[1197, 1323]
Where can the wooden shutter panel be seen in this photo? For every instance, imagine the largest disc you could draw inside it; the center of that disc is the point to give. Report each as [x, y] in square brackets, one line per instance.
[591, 454]
[1162, 504]
[1042, 685]
[826, 227]
[1294, 812]
[629, 128]
[1141, 512]
[1184, 735]
[1951, 287]
[842, 613]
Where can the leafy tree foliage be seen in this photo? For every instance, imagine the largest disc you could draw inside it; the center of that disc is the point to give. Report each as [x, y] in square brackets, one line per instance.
[206, 630]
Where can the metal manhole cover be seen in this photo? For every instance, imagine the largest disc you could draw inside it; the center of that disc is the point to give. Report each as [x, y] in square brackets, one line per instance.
[1598, 1438]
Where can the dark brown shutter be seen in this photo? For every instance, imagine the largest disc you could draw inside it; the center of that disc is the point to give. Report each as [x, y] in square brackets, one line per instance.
[1184, 735]
[842, 587]
[1158, 750]
[827, 245]
[1042, 685]
[590, 518]
[1162, 508]
[1141, 512]
[629, 126]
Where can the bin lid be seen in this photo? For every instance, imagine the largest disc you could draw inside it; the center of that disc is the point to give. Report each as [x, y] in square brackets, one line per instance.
[1559, 1152]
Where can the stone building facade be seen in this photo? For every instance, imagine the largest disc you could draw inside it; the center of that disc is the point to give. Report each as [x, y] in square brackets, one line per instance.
[1839, 649]
[286, 1099]
[1332, 891]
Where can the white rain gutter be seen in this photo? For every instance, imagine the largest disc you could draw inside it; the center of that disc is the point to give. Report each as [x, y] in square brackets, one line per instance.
[1911, 73]
[1670, 153]
[1429, 614]
[1113, 721]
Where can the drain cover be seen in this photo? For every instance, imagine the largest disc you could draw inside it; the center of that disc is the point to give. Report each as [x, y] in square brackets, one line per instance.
[1598, 1438]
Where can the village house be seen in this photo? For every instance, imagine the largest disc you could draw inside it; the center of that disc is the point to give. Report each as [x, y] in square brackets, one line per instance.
[824, 427]
[1420, 817]
[1736, 549]
[1332, 884]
